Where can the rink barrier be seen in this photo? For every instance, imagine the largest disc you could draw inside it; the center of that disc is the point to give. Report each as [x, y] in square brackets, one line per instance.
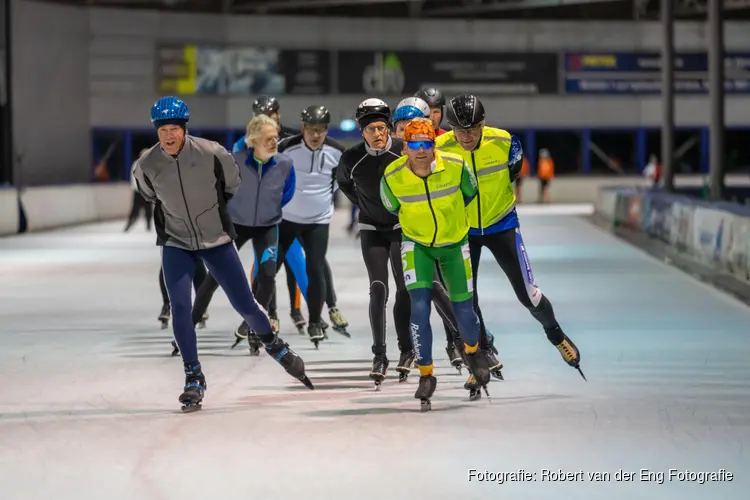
[50, 207]
[715, 235]
[10, 218]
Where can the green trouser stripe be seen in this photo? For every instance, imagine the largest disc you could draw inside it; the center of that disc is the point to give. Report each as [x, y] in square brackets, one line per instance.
[454, 261]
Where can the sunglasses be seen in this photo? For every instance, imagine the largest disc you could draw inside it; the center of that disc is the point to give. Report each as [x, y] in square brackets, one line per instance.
[415, 145]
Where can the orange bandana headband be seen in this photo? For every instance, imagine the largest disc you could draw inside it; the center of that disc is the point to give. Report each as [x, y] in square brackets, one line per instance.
[419, 126]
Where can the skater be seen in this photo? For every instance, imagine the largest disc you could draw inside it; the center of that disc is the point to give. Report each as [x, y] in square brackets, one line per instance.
[268, 181]
[190, 180]
[139, 204]
[406, 111]
[429, 191]
[308, 216]
[270, 106]
[436, 100]
[496, 159]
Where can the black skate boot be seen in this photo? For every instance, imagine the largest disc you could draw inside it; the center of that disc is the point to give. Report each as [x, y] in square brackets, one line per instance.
[298, 320]
[480, 373]
[324, 326]
[339, 323]
[495, 365]
[195, 387]
[164, 316]
[567, 348]
[240, 334]
[454, 357]
[427, 386]
[254, 343]
[316, 333]
[379, 369]
[202, 322]
[404, 365]
[289, 361]
[175, 349]
[275, 323]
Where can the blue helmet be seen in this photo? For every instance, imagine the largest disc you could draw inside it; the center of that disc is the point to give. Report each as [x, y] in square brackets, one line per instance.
[170, 108]
[407, 113]
[410, 108]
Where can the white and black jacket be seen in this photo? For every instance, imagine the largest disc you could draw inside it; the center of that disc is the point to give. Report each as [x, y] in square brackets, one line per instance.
[315, 173]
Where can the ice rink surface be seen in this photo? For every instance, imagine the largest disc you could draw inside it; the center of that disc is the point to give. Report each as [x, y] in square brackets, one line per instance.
[89, 407]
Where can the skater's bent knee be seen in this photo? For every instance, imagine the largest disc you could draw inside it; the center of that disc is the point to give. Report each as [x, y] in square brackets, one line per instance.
[379, 290]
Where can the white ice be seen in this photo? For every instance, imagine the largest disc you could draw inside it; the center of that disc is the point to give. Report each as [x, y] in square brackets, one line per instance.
[89, 404]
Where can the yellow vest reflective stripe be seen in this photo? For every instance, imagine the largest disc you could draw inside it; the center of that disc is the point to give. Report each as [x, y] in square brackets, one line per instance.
[489, 162]
[430, 211]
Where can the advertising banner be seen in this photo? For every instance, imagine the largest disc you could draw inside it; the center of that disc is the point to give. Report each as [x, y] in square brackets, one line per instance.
[681, 235]
[657, 216]
[738, 247]
[640, 73]
[710, 227]
[398, 73]
[215, 70]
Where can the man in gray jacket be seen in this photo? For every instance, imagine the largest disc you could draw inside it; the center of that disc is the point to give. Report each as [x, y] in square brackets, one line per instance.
[268, 182]
[190, 180]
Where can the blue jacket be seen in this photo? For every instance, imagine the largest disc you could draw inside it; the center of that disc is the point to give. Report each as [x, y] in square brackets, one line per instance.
[265, 189]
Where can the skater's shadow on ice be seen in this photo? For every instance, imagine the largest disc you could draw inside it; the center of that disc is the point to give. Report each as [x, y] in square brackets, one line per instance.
[367, 362]
[382, 411]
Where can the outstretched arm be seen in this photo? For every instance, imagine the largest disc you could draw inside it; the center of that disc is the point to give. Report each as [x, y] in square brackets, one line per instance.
[390, 202]
[468, 184]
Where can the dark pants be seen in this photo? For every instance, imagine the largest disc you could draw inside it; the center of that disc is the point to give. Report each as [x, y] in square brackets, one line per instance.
[510, 253]
[314, 240]
[224, 264]
[379, 248]
[139, 204]
[265, 246]
[200, 275]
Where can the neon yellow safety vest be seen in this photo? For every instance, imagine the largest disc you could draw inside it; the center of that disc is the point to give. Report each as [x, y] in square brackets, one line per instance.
[431, 208]
[489, 162]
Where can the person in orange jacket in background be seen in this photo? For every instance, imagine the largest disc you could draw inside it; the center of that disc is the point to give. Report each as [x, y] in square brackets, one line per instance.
[545, 171]
[519, 181]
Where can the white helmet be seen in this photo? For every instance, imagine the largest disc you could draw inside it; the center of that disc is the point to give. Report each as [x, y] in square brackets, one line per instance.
[416, 102]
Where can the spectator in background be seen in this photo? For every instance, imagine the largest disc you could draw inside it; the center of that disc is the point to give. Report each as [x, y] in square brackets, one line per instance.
[139, 204]
[519, 181]
[545, 171]
[652, 172]
[436, 100]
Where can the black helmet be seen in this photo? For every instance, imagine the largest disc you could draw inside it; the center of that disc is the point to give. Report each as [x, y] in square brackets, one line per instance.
[465, 111]
[316, 115]
[265, 105]
[372, 110]
[433, 97]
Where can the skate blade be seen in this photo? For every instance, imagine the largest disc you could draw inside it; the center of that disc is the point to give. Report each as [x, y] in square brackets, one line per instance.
[342, 331]
[236, 343]
[175, 352]
[475, 395]
[164, 325]
[403, 377]
[191, 407]
[581, 372]
[498, 375]
[489, 398]
[201, 325]
[307, 383]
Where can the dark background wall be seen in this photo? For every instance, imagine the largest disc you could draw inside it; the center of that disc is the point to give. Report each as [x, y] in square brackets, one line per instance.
[51, 111]
[123, 84]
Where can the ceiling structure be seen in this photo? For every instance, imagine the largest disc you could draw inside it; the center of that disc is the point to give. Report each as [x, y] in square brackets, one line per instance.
[476, 9]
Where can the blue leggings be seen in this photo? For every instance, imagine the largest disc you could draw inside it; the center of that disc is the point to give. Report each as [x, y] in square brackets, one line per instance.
[224, 264]
[295, 257]
[421, 331]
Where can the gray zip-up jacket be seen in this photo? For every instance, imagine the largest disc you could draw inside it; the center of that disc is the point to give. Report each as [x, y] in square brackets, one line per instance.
[190, 193]
[265, 189]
